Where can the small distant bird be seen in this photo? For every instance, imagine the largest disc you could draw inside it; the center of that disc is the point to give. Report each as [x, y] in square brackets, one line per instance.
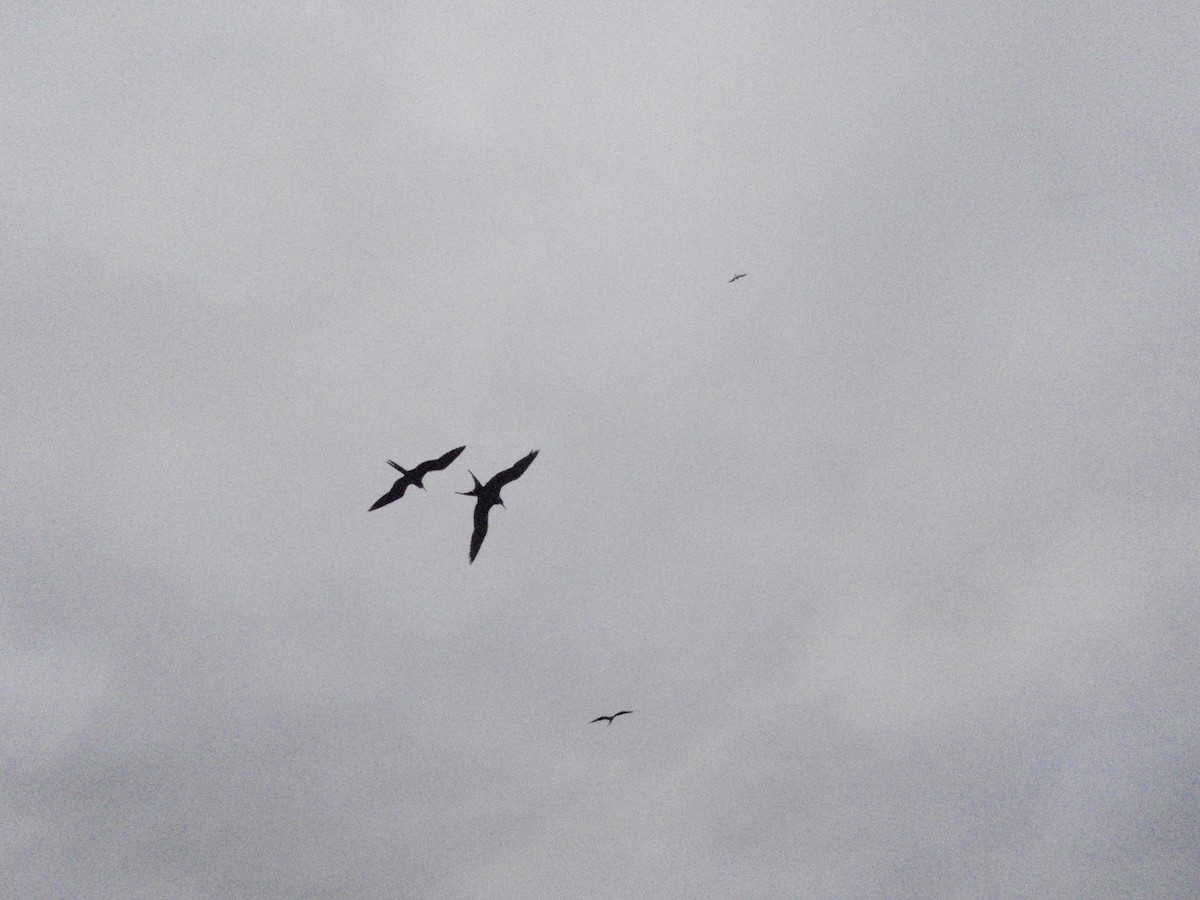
[735, 278]
[488, 495]
[415, 475]
[609, 719]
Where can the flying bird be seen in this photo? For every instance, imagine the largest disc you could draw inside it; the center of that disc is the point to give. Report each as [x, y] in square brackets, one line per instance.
[609, 719]
[488, 495]
[415, 475]
[735, 278]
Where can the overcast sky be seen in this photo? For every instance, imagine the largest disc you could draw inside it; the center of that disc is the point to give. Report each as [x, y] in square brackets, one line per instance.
[893, 546]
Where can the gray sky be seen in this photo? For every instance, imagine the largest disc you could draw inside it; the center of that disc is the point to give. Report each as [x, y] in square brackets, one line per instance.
[891, 545]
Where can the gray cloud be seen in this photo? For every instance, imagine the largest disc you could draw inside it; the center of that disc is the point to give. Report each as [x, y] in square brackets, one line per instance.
[890, 545]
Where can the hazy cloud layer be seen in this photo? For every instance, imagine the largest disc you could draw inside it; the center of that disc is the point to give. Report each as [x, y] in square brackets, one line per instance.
[891, 545]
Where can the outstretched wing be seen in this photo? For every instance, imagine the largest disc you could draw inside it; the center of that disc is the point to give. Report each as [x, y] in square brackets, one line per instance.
[513, 472]
[436, 465]
[395, 493]
[600, 719]
[623, 712]
[480, 532]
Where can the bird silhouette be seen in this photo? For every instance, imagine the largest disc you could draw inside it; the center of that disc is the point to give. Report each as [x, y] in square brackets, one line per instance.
[488, 495]
[735, 278]
[415, 475]
[609, 719]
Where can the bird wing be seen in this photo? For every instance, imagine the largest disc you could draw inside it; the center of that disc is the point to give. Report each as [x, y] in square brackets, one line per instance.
[435, 465]
[395, 493]
[513, 472]
[480, 532]
[600, 719]
[623, 712]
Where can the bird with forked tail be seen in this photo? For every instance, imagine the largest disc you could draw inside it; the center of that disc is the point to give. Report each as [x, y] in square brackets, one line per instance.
[488, 495]
[415, 476]
[609, 719]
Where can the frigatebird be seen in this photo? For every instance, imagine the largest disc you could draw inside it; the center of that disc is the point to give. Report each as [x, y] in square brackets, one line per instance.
[609, 719]
[415, 475]
[488, 495]
[735, 278]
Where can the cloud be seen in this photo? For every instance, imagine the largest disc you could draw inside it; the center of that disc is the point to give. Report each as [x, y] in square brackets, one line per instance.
[889, 545]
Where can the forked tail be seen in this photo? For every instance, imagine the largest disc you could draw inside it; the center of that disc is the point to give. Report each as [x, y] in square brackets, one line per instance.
[474, 492]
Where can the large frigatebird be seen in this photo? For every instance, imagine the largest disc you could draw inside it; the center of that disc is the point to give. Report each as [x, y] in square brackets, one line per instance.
[609, 719]
[415, 475]
[488, 495]
[735, 278]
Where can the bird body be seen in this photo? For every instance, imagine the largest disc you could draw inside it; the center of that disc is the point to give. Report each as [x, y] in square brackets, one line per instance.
[488, 495]
[735, 278]
[415, 476]
[609, 719]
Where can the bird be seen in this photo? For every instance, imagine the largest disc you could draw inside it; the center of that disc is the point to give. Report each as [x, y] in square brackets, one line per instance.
[609, 719]
[488, 495]
[415, 475]
[735, 278]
